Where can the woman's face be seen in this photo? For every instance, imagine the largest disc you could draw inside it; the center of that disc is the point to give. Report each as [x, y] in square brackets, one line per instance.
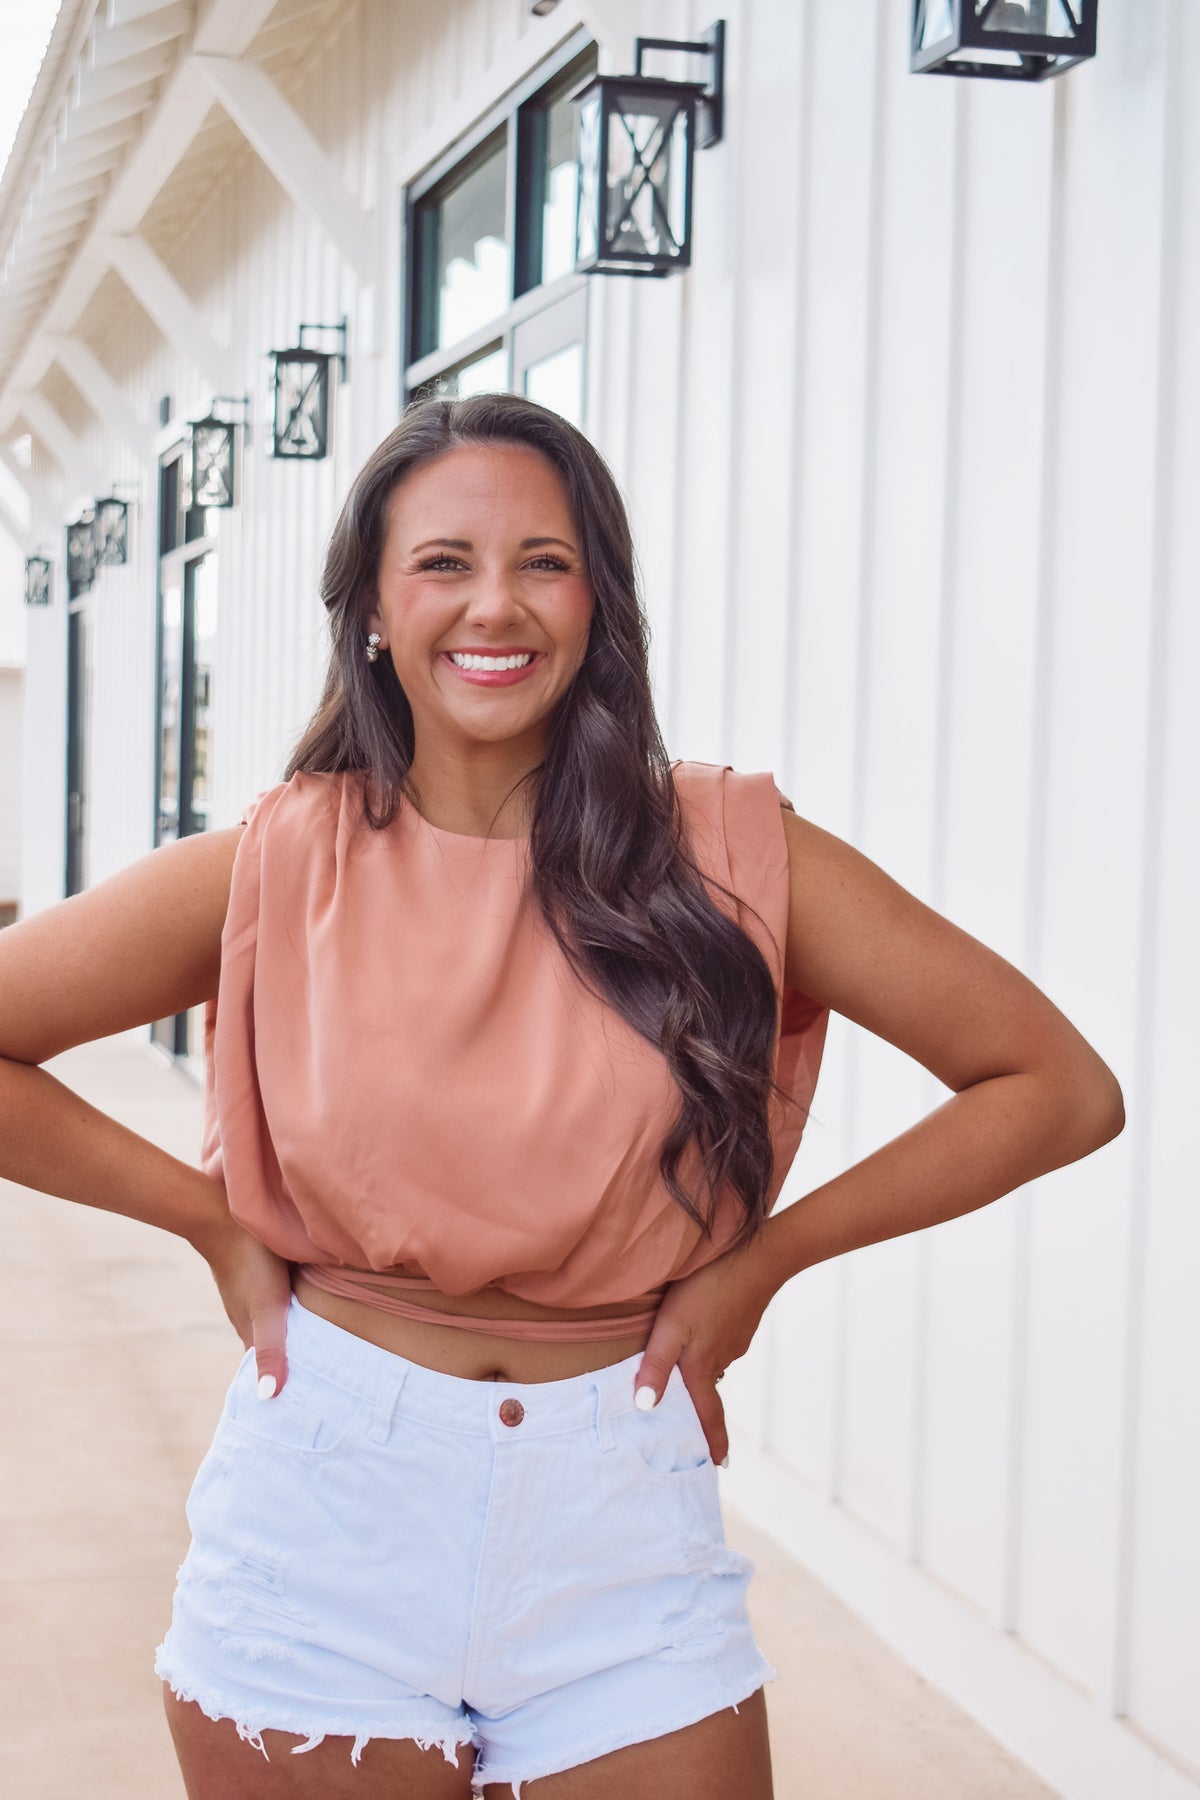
[482, 567]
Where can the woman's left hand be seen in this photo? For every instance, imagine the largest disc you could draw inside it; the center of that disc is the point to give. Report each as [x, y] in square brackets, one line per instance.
[705, 1322]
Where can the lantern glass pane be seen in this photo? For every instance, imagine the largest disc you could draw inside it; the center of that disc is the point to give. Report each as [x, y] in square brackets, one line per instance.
[301, 406]
[112, 533]
[37, 581]
[81, 555]
[646, 181]
[473, 259]
[1038, 18]
[212, 464]
[1005, 59]
[936, 23]
[589, 178]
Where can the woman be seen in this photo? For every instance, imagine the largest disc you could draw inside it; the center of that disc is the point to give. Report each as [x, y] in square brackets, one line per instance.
[511, 1030]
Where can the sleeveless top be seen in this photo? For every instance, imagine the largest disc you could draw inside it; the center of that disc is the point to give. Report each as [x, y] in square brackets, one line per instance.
[401, 1069]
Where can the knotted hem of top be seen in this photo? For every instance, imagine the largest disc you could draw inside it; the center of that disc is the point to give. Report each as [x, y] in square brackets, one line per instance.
[427, 1734]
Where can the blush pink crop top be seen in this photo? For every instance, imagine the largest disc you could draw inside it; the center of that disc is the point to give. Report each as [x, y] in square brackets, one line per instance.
[402, 1072]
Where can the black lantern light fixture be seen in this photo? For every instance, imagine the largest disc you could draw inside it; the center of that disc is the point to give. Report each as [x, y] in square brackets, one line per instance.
[81, 552]
[37, 580]
[637, 138]
[1007, 40]
[301, 388]
[112, 531]
[211, 480]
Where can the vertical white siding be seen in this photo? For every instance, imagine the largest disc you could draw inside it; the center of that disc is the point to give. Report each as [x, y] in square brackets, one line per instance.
[910, 457]
[11, 685]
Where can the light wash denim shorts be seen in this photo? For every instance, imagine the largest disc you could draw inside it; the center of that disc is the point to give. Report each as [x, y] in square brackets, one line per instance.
[536, 1568]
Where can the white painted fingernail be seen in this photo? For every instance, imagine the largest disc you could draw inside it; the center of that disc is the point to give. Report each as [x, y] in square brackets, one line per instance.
[724, 1462]
[645, 1398]
[266, 1387]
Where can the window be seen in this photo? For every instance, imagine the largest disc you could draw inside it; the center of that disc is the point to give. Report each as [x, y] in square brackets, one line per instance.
[185, 658]
[493, 300]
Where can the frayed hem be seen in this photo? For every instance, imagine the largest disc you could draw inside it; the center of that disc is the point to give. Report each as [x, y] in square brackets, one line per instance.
[604, 1747]
[449, 1742]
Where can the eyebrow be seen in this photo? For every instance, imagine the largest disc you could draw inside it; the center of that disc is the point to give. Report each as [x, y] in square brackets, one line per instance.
[465, 544]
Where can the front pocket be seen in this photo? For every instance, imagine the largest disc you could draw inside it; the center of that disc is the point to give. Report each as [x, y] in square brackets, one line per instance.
[312, 1414]
[666, 1444]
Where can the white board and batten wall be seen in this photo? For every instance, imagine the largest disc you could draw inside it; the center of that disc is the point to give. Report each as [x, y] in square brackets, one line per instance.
[909, 457]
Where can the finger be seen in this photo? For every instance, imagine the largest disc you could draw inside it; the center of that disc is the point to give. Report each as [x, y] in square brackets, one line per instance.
[711, 1414]
[270, 1353]
[654, 1371]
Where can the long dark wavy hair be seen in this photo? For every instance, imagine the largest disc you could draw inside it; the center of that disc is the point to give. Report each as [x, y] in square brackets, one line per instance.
[611, 868]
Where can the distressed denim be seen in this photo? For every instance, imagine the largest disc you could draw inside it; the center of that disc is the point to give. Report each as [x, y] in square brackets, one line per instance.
[538, 1569]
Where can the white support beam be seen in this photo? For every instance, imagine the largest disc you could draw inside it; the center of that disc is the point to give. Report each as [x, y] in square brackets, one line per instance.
[102, 394]
[162, 145]
[79, 471]
[229, 27]
[301, 167]
[19, 533]
[152, 283]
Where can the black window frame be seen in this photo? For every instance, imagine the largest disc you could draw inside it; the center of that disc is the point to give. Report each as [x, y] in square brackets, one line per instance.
[520, 118]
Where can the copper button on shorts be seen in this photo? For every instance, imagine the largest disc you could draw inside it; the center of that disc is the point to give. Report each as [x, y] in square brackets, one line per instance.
[511, 1412]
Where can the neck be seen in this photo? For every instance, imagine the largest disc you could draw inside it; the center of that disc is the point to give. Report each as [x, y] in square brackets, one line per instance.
[477, 795]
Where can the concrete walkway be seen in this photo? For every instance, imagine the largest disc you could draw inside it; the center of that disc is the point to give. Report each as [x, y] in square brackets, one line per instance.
[114, 1355]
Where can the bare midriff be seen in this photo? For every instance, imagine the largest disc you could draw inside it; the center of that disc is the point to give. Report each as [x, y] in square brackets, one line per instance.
[473, 1353]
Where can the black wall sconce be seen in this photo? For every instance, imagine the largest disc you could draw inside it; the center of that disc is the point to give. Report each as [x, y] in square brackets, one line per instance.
[1006, 40]
[301, 389]
[112, 531]
[37, 580]
[81, 553]
[211, 475]
[637, 139]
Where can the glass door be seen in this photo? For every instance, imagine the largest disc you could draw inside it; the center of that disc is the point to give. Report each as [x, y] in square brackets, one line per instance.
[79, 687]
[187, 638]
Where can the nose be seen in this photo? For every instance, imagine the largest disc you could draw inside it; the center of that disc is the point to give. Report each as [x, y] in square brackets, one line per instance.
[493, 601]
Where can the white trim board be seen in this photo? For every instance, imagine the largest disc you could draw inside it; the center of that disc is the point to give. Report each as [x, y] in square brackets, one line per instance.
[1028, 1706]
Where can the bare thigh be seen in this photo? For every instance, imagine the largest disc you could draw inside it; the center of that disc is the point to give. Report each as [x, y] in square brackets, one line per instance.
[219, 1765]
[726, 1754]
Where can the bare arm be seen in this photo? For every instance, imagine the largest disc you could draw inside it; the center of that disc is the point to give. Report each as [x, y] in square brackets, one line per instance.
[140, 946]
[1030, 1094]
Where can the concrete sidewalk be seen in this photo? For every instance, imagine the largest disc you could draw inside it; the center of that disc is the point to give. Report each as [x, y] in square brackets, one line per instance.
[116, 1354]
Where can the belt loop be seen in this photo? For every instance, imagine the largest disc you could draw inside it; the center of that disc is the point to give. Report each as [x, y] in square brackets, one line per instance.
[386, 1402]
[604, 1433]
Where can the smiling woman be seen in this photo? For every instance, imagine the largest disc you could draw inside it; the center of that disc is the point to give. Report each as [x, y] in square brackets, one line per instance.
[512, 1026]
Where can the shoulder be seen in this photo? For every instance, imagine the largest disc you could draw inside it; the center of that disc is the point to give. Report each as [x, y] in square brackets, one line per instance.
[739, 810]
[700, 783]
[303, 796]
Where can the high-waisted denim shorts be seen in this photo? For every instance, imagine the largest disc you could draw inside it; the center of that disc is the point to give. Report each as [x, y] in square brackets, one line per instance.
[536, 1568]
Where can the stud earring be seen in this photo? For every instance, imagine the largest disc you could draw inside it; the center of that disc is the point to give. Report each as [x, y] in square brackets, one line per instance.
[373, 643]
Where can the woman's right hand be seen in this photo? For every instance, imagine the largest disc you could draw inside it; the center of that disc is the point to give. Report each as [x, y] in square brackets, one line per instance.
[255, 1286]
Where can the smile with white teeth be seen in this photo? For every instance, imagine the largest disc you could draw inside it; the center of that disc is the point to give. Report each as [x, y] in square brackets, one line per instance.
[462, 660]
